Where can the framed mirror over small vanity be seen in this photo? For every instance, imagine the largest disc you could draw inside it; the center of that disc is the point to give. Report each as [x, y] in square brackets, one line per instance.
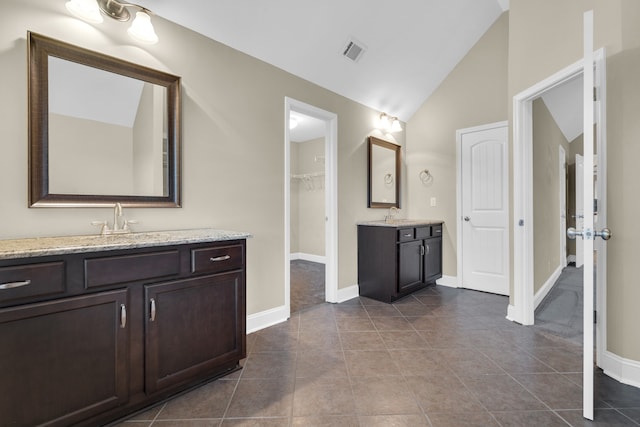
[384, 174]
[101, 130]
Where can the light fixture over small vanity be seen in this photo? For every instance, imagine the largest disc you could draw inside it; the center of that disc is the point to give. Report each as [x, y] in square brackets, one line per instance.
[92, 10]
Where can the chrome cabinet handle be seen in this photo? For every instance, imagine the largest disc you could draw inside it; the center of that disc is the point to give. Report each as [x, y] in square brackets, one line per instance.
[12, 285]
[123, 316]
[220, 258]
[152, 316]
[421, 250]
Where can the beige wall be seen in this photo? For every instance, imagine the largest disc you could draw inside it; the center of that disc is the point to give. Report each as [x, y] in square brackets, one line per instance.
[475, 93]
[547, 137]
[533, 56]
[308, 199]
[233, 142]
[575, 147]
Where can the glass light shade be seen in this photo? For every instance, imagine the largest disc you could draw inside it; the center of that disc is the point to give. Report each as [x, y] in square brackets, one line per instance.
[142, 30]
[395, 126]
[87, 10]
[384, 122]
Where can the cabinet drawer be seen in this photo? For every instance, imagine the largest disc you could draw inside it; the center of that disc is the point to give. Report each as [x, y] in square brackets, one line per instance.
[216, 259]
[405, 234]
[436, 230]
[423, 232]
[24, 281]
[128, 268]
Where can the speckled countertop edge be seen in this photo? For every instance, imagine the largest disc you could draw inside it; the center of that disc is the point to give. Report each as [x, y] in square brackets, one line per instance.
[44, 246]
[402, 223]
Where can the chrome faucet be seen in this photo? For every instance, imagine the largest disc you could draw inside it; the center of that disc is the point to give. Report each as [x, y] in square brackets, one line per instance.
[393, 210]
[119, 227]
[117, 213]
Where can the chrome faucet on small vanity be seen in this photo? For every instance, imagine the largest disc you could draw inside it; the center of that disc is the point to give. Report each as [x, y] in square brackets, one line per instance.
[391, 215]
[119, 227]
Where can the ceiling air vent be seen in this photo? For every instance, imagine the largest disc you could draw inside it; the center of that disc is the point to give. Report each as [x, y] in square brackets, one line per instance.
[353, 50]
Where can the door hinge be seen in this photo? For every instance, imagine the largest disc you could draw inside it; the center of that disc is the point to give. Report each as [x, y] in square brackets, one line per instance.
[595, 317]
[595, 94]
[521, 223]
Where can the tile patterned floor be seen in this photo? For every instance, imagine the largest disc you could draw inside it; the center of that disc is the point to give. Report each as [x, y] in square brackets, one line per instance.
[441, 357]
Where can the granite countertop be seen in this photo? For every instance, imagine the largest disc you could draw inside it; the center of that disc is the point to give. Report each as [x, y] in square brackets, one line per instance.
[42, 246]
[401, 223]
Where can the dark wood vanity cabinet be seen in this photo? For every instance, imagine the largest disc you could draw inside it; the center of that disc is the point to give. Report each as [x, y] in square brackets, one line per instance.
[181, 318]
[63, 361]
[393, 262]
[96, 336]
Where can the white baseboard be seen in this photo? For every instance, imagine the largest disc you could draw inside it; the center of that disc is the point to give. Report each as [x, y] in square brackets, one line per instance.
[449, 281]
[626, 371]
[513, 314]
[544, 290]
[308, 257]
[345, 294]
[266, 318]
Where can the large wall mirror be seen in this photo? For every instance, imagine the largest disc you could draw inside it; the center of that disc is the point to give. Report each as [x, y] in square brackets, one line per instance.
[101, 130]
[384, 174]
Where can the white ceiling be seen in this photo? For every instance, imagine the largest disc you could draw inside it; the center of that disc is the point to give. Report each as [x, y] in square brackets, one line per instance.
[564, 102]
[411, 45]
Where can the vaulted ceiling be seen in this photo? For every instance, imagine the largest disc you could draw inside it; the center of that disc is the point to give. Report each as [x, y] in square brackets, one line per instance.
[410, 46]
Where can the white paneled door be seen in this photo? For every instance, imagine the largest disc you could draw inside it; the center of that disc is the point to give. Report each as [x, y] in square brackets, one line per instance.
[484, 209]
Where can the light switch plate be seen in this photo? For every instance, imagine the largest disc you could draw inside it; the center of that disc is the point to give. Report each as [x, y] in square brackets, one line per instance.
[433, 201]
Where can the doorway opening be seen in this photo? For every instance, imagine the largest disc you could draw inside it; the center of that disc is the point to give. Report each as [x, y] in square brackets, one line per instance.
[310, 206]
[524, 302]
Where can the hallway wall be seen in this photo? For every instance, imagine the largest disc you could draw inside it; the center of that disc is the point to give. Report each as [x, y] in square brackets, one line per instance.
[547, 137]
[308, 198]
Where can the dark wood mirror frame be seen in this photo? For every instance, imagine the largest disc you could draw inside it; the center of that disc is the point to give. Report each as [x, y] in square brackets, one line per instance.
[373, 141]
[40, 49]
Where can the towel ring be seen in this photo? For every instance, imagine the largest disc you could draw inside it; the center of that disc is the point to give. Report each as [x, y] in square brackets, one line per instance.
[425, 176]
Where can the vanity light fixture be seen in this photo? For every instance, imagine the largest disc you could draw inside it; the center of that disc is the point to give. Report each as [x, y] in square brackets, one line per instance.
[388, 123]
[89, 10]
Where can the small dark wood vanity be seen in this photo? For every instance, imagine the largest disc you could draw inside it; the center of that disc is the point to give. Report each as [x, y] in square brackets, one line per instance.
[96, 330]
[397, 258]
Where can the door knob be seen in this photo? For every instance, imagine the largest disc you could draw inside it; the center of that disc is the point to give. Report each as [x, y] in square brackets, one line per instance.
[605, 234]
[466, 218]
[572, 233]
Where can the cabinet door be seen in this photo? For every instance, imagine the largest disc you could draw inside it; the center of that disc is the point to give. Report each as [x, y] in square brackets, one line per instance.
[194, 327]
[432, 259]
[63, 361]
[409, 264]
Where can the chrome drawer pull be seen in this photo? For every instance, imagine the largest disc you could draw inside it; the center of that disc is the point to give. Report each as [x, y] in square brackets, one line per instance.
[12, 285]
[220, 258]
[152, 317]
[408, 235]
[123, 316]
